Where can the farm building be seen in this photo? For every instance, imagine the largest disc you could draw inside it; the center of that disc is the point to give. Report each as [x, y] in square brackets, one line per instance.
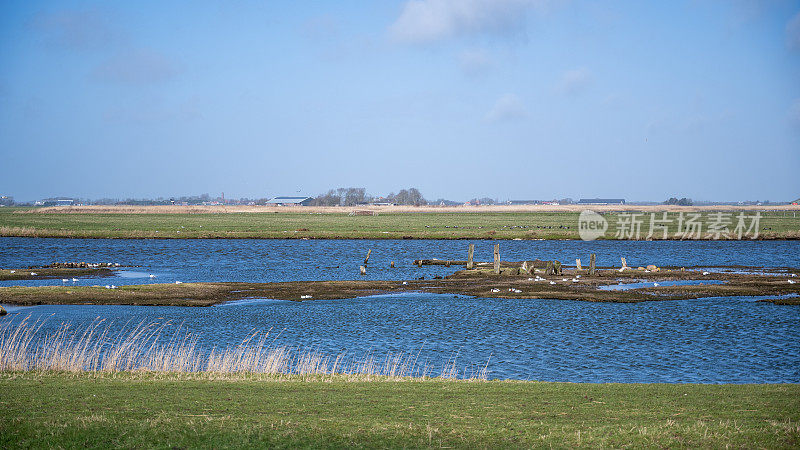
[290, 201]
[601, 201]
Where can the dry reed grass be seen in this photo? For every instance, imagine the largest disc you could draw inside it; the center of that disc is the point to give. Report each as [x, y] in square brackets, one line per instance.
[165, 348]
[33, 232]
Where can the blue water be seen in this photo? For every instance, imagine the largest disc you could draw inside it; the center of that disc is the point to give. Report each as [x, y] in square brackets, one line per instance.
[717, 340]
[291, 260]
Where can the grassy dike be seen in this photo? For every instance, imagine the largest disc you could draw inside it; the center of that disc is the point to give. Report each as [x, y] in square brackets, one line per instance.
[206, 410]
[332, 225]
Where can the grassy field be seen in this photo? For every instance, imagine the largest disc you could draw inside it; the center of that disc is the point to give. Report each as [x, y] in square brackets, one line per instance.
[44, 409]
[331, 225]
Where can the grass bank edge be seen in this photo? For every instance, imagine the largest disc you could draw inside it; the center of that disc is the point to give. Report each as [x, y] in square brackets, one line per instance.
[146, 409]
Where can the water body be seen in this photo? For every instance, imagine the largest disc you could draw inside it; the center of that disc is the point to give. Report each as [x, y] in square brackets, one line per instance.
[717, 340]
[293, 260]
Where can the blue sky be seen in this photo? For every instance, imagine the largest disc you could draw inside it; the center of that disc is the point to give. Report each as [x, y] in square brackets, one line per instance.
[520, 99]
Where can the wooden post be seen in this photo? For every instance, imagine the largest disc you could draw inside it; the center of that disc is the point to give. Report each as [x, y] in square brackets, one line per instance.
[578, 264]
[363, 270]
[366, 260]
[592, 259]
[556, 267]
[470, 254]
[550, 269]
[497, 259]
[391, 264]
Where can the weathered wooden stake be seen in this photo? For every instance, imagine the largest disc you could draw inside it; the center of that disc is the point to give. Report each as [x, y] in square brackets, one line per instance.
[366, 260]
[550, 269]
[470, 254]
[557, 267]
[497, 259]
[363, 270]
[391, 264]
[578, 264]
[592, 259]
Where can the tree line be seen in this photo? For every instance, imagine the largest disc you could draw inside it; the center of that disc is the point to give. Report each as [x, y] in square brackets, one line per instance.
[358, 196]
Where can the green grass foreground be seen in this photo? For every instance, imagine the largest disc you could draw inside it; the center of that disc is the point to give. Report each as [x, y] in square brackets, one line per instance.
[297, 225]
[207, 410]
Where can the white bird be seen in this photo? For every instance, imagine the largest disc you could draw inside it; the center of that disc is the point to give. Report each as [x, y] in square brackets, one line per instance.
[563, 279]
[495, 290]
[552, 282]
[13, 271]
[74, 280]
[517, 291]
[179, 282]
[655, 284]
[113, 287]
[705, 273]
[34, 274]
[791, 281]
[405, 282]
[108, 287]
[574, 280]
[305, 296]
[152, 276]
[64, 280]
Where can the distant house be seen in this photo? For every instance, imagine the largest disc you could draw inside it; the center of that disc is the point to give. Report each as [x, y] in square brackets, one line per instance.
[601, 201]
[290, 201]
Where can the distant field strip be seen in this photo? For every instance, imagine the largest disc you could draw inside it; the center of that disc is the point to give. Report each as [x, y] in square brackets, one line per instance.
[299, 223]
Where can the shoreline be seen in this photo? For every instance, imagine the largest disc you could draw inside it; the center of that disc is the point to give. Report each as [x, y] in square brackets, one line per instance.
[787, 237]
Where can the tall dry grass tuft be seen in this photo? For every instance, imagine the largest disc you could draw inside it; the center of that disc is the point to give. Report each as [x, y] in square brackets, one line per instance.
[164, 347]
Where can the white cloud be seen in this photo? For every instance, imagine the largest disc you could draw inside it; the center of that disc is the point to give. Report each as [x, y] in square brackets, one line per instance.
[475, 62]
[574, 80]
[423, 21]
[507, 107]
[793, 32]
